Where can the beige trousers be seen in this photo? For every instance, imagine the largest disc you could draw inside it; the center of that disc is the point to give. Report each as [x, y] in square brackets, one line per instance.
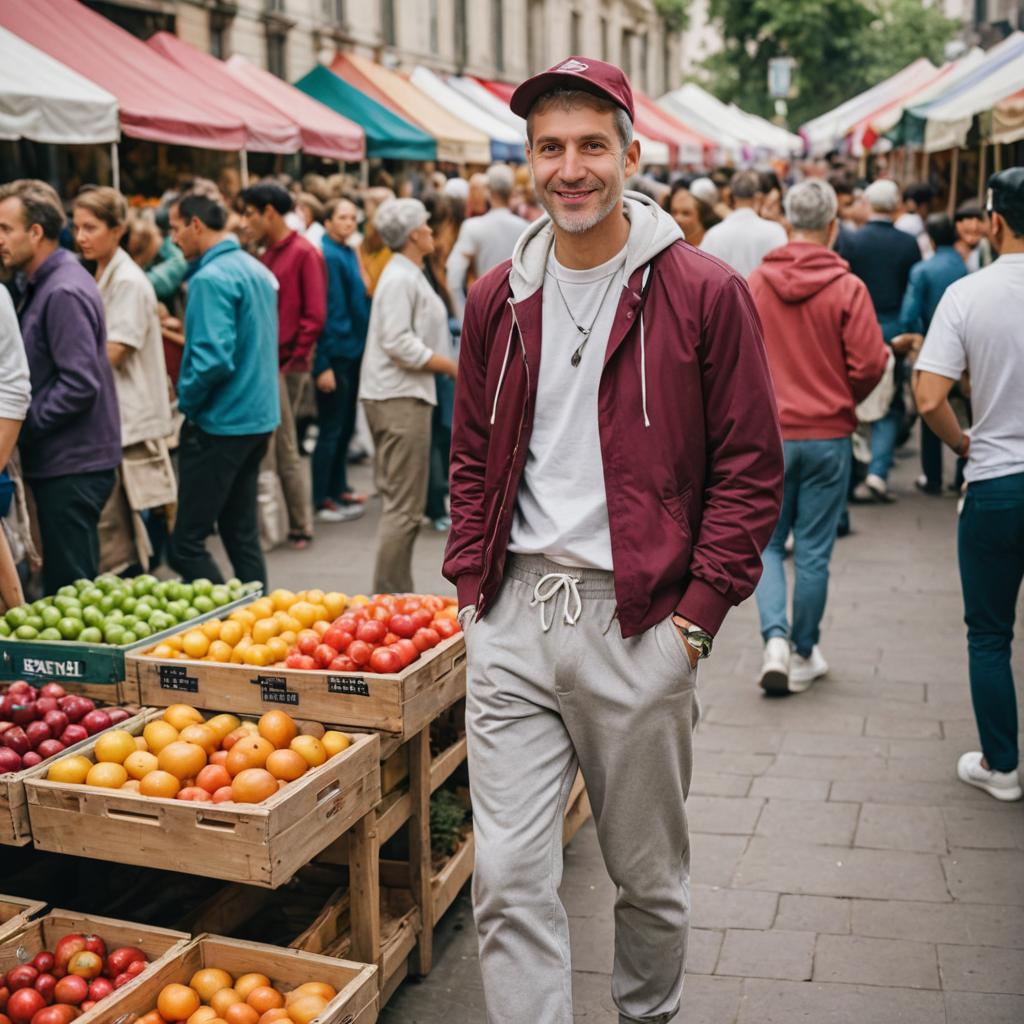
[401, 438]
[283, 456]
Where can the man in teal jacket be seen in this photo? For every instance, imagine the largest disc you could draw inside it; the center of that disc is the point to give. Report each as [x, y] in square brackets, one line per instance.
[227, 392]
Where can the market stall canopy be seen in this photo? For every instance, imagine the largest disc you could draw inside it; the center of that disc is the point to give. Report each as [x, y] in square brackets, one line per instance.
[729, 147]
[268, 130]
[156, 100]
[473, 89]
[388, 136]
[827, 131]
[879, 122]
[502, 90]
[457, 141]
[506, 142]
[945, 121]
[684, 146]
[42, 100]
[1008, 119]
[324, 132]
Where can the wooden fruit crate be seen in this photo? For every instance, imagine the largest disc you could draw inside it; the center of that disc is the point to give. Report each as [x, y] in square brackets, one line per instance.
[15, 828]
[160, 944]
[260, 844]
[355, 1003]
[400, 704]
[15, 913]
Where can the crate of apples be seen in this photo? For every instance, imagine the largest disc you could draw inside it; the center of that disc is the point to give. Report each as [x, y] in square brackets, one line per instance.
[222, 759]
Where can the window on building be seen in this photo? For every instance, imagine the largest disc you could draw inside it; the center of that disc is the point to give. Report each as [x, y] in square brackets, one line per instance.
[626, 53]
[461, 34]
[387, 22]
[277, 63]
[498, 30]
[535, 49]
[666, 63]
[274, 6]
[220, 26]
[644, 69]
[435, 38]
[575, 30]
[604, 38]
[333, 11]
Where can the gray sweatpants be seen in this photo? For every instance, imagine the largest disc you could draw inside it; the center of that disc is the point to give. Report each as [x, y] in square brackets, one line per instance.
[540, 703]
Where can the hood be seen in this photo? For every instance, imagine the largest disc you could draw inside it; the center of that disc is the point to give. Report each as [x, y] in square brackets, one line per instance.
[651, 230]
[799, 270]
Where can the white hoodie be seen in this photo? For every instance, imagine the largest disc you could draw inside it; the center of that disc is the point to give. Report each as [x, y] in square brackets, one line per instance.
[561, 510]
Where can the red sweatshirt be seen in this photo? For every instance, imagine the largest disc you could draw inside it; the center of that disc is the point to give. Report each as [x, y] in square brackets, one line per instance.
[301, 300]
[824, 344]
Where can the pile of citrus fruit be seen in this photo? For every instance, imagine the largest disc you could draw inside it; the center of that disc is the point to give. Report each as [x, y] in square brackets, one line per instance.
[221, 759]
[212, 996]
[314, 630]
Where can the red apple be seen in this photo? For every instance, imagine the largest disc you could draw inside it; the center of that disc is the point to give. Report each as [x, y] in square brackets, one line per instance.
[96, 945]
[121, 958]
[24, 1005]
[45, 984]
[100, 989]
[87, 1005]
[74, 734]
[60, 1014]
[122, 979]
[136, 967]
[66, 948]
[22, 714]
[71, 990]
[118, 715]
[56, 720]
[53, 690]
[16, 739]
[96, 721]
[5, 994]
[22, 976]
[43, 962]
[9, 760]
[37, 732]
[49, 748]
[30, 760]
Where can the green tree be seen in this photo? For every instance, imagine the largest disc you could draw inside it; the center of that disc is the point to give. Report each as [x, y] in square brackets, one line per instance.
[841, 48]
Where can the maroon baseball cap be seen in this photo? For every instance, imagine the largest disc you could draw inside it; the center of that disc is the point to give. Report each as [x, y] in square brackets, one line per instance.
[596, 76]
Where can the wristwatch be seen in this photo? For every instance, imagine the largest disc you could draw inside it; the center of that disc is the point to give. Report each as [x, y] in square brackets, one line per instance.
[700, 640]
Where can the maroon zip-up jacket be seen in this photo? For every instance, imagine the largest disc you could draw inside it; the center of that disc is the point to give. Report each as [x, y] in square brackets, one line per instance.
[693, 497]
[301, 299]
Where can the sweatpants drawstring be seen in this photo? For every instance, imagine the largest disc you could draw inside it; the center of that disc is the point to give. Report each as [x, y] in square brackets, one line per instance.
[548, 587]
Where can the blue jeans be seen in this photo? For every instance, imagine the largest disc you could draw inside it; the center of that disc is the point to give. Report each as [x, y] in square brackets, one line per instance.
[886, 431]
[813, 499]
[991, 548]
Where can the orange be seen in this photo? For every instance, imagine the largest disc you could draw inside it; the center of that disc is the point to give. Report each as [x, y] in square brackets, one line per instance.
[303, 612]
[183, 760]
[177, 1002]
[180, 715]
[115, 745]
[211, 627]
[241, 1013]
[236, 734]
[159, 783]
[153, 1017]
[315, 596]
[278, 727]
[226, 997]
[174, 642]
[311, 749]
[201, 735]
[208, 981]
[222, 725]
[158, 735]
[213, 777]
[276, 1014]
[279, 648]
[140, 764]
[164, 650]
[141, 744]
[219, 651]
[321, 626]
[196, 643]
[231, 632]
[335, 742]
[281, 599]
[72, 769]
[132, 786]
[257, 655]
[265, 999]
[223, 795]
[248, 752]
[264, 629]
[312, 988]
[107, 774]
[335, 603]
[203, 1014]
[289, 624]
[305, 1009]
[219, 757]
[242, 616]
[262, 608]
[253, 786]
[247, 982]
[287, 764]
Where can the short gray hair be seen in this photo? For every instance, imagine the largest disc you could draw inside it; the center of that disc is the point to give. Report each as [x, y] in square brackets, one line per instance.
[883, 195]
[811, 205]
[397, 219]
[501, 180]
[570, 98]
[745, 185]
[705, 190]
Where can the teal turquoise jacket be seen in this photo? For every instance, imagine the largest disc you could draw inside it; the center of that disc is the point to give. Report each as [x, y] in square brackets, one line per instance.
[228, 383]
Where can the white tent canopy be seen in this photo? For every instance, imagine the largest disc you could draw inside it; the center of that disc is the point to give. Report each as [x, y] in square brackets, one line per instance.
[42, 100]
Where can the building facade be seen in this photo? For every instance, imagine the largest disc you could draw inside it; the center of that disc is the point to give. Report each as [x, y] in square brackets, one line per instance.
[498, 39]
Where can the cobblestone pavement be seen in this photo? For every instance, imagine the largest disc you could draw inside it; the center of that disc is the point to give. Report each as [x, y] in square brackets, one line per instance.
[840, 871]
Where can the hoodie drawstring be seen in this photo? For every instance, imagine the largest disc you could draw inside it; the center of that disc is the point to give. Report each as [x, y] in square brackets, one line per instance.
[643, 351]
[504, 362]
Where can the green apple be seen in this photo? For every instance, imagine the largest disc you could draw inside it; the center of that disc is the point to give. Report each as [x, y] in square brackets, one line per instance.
[70, 628]
[90, 635]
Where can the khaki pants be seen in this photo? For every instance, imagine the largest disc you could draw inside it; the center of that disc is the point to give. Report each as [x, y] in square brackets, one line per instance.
[284, 457]
[401, 437]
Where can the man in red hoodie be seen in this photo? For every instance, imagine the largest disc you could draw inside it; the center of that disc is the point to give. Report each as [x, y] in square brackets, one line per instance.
[826, 354]
[616, 470]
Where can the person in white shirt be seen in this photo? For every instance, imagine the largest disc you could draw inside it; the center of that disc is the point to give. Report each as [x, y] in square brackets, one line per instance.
[15, 389]
[485, 241]
[977, 329]
[407, 342]
[744, 238]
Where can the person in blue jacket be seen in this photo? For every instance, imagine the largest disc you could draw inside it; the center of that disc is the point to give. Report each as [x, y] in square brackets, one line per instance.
[928, 282]
[227, 391]
[339, 354]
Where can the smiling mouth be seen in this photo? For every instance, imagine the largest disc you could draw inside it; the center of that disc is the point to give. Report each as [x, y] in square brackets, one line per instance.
[574, 196]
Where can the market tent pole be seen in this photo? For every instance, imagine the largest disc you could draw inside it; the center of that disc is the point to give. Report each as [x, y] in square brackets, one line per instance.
[115, 167]
[954, 182]
[243, 163]
[997, 163]
[981, 169]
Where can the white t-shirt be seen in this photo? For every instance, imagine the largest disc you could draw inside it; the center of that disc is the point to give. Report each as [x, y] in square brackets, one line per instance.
[561, 510]
[979, 327]
[743, 240]
[483, 242]
[15, 387]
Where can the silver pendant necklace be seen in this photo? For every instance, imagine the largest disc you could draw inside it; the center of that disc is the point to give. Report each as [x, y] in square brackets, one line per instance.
[584, 331]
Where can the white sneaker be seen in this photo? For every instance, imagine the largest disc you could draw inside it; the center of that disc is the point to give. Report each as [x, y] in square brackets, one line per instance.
[803, 671]
[775, 667]
[878, 488]
[1001, 785]
[339, 513]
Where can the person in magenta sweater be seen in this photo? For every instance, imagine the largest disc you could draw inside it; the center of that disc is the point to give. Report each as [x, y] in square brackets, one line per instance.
[301, 312]
[826, 354]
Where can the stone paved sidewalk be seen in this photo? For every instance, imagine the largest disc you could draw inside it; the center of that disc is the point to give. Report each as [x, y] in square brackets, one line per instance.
[841, 873]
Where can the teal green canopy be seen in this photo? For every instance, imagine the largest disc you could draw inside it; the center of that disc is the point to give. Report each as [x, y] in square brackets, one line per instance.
[387, 134]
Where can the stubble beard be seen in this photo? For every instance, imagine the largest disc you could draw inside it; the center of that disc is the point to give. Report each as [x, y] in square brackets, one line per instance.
[576, 224]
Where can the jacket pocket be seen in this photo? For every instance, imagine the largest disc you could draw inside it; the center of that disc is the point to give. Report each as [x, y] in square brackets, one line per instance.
[677, 506]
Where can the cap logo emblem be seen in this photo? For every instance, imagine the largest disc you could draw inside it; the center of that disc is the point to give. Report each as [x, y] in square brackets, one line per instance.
[573, 65]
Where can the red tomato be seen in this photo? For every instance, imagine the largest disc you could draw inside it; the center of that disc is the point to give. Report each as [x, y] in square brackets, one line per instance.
[385, 600]
[308, 641]
[385, 660]
[422, 617]
[389, 639]
[195, 793]
[294, 660]
[372, 632]
[343, 663]
[324, 655]
[337, 638]
[409, 605]
[347, 622]
[359, 651]
[402, 625]
[425, 639]
[445, 628]
[380, 613]
[308, 663]
[407, 651]
[433, 602]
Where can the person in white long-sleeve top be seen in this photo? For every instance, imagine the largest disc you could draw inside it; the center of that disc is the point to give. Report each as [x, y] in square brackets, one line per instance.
[407, 342]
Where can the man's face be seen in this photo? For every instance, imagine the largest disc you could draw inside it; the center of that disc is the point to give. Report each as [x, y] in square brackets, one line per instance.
[343, 223]
[579, 169]
[18, 242]
[254, 225]
[684, 210]
[970, 231]
[185, 235]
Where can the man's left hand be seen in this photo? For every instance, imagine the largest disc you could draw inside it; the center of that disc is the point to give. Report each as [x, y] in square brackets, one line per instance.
[693, 655]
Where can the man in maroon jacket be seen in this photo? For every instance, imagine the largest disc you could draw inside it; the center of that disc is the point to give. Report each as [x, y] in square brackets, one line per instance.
[616, 470]
[301, 312]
